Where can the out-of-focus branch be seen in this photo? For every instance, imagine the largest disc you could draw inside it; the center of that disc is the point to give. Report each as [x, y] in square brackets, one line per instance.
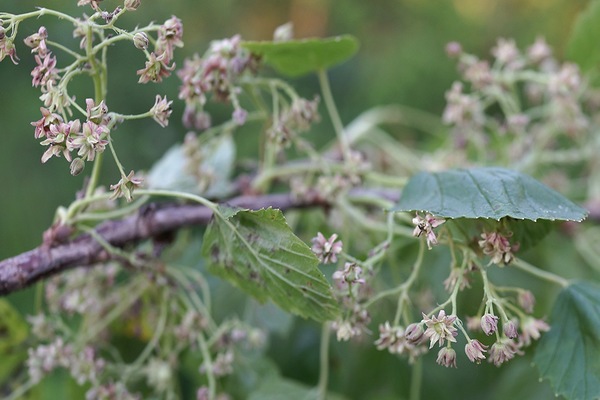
[151, 221]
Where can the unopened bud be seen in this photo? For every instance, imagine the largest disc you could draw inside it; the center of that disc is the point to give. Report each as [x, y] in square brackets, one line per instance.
[489, 324]
[132, 5]
[510, 329]
[453, 49]
[140, 40]
[414, 333]
[77, 165]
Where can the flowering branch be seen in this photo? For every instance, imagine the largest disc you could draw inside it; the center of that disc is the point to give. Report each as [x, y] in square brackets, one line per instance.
[151, 221]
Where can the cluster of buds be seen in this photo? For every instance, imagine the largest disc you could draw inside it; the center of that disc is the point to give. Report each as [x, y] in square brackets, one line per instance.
[170, 35]
[216, 73]
[83, 366]
[296, 118]
[7, 47]
[533, 75]
[397, 340]
[497, 246]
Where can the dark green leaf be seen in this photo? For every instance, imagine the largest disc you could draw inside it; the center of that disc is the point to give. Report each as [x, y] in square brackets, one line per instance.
[486, 193]
[299, 57]
[258, 252]
[569, 354]
[583, 44]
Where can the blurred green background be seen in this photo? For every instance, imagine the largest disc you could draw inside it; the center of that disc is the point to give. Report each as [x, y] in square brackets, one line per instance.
[401, 60]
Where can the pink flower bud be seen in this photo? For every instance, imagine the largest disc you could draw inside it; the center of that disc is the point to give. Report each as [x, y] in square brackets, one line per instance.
[489, 324]
[446, 357]
[510, 329]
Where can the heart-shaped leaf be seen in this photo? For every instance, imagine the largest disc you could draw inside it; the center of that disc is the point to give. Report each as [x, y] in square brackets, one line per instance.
[299, 57]
[258, 252]
[486, 192]
[569, 354]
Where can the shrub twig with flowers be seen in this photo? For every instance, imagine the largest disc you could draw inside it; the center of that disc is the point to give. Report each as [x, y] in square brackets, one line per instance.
[524, 110]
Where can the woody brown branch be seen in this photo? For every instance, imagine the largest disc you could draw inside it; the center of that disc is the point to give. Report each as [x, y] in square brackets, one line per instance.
[151, 221]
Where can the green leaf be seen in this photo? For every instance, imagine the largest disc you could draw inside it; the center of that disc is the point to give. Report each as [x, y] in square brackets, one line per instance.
[582, 46]
[486, 192]
[258, 252]
[172, 171]
[569, 354]
[276, 387]
[299, 57]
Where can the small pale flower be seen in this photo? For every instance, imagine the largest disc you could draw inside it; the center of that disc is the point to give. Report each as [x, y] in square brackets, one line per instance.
[239, 116]
[446, 357]
[132, 5]
[506, 51]
[474, 324]
[155, 69]
[7, 47]
[489, 324]
[425, 225]
[440, 328]
[45, 71]
[350, 274]
[539, 51]
[453, 49]
[93, 3]
[474, 351]
[531, 329]
[95, 113]
[510, 329]
[125, 187]
[526, 300]
[141, 41]
[326, 249]
[37, 41]
[502, 351]
[414, 333]
[161, 110]
[344, 330]
[42, 126]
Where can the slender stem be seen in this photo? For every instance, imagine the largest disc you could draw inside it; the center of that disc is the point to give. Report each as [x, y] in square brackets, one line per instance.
[324, 361]
[20, 390]
[210, 376]
[333, 113]
[415, 379]
[95, 176]
[545, 275]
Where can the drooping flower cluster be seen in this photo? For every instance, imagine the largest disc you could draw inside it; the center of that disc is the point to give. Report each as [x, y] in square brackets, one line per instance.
[157, 66]
[7, 47]
[217, 74]
[294, 119]
[497, 246]
[397, 340]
